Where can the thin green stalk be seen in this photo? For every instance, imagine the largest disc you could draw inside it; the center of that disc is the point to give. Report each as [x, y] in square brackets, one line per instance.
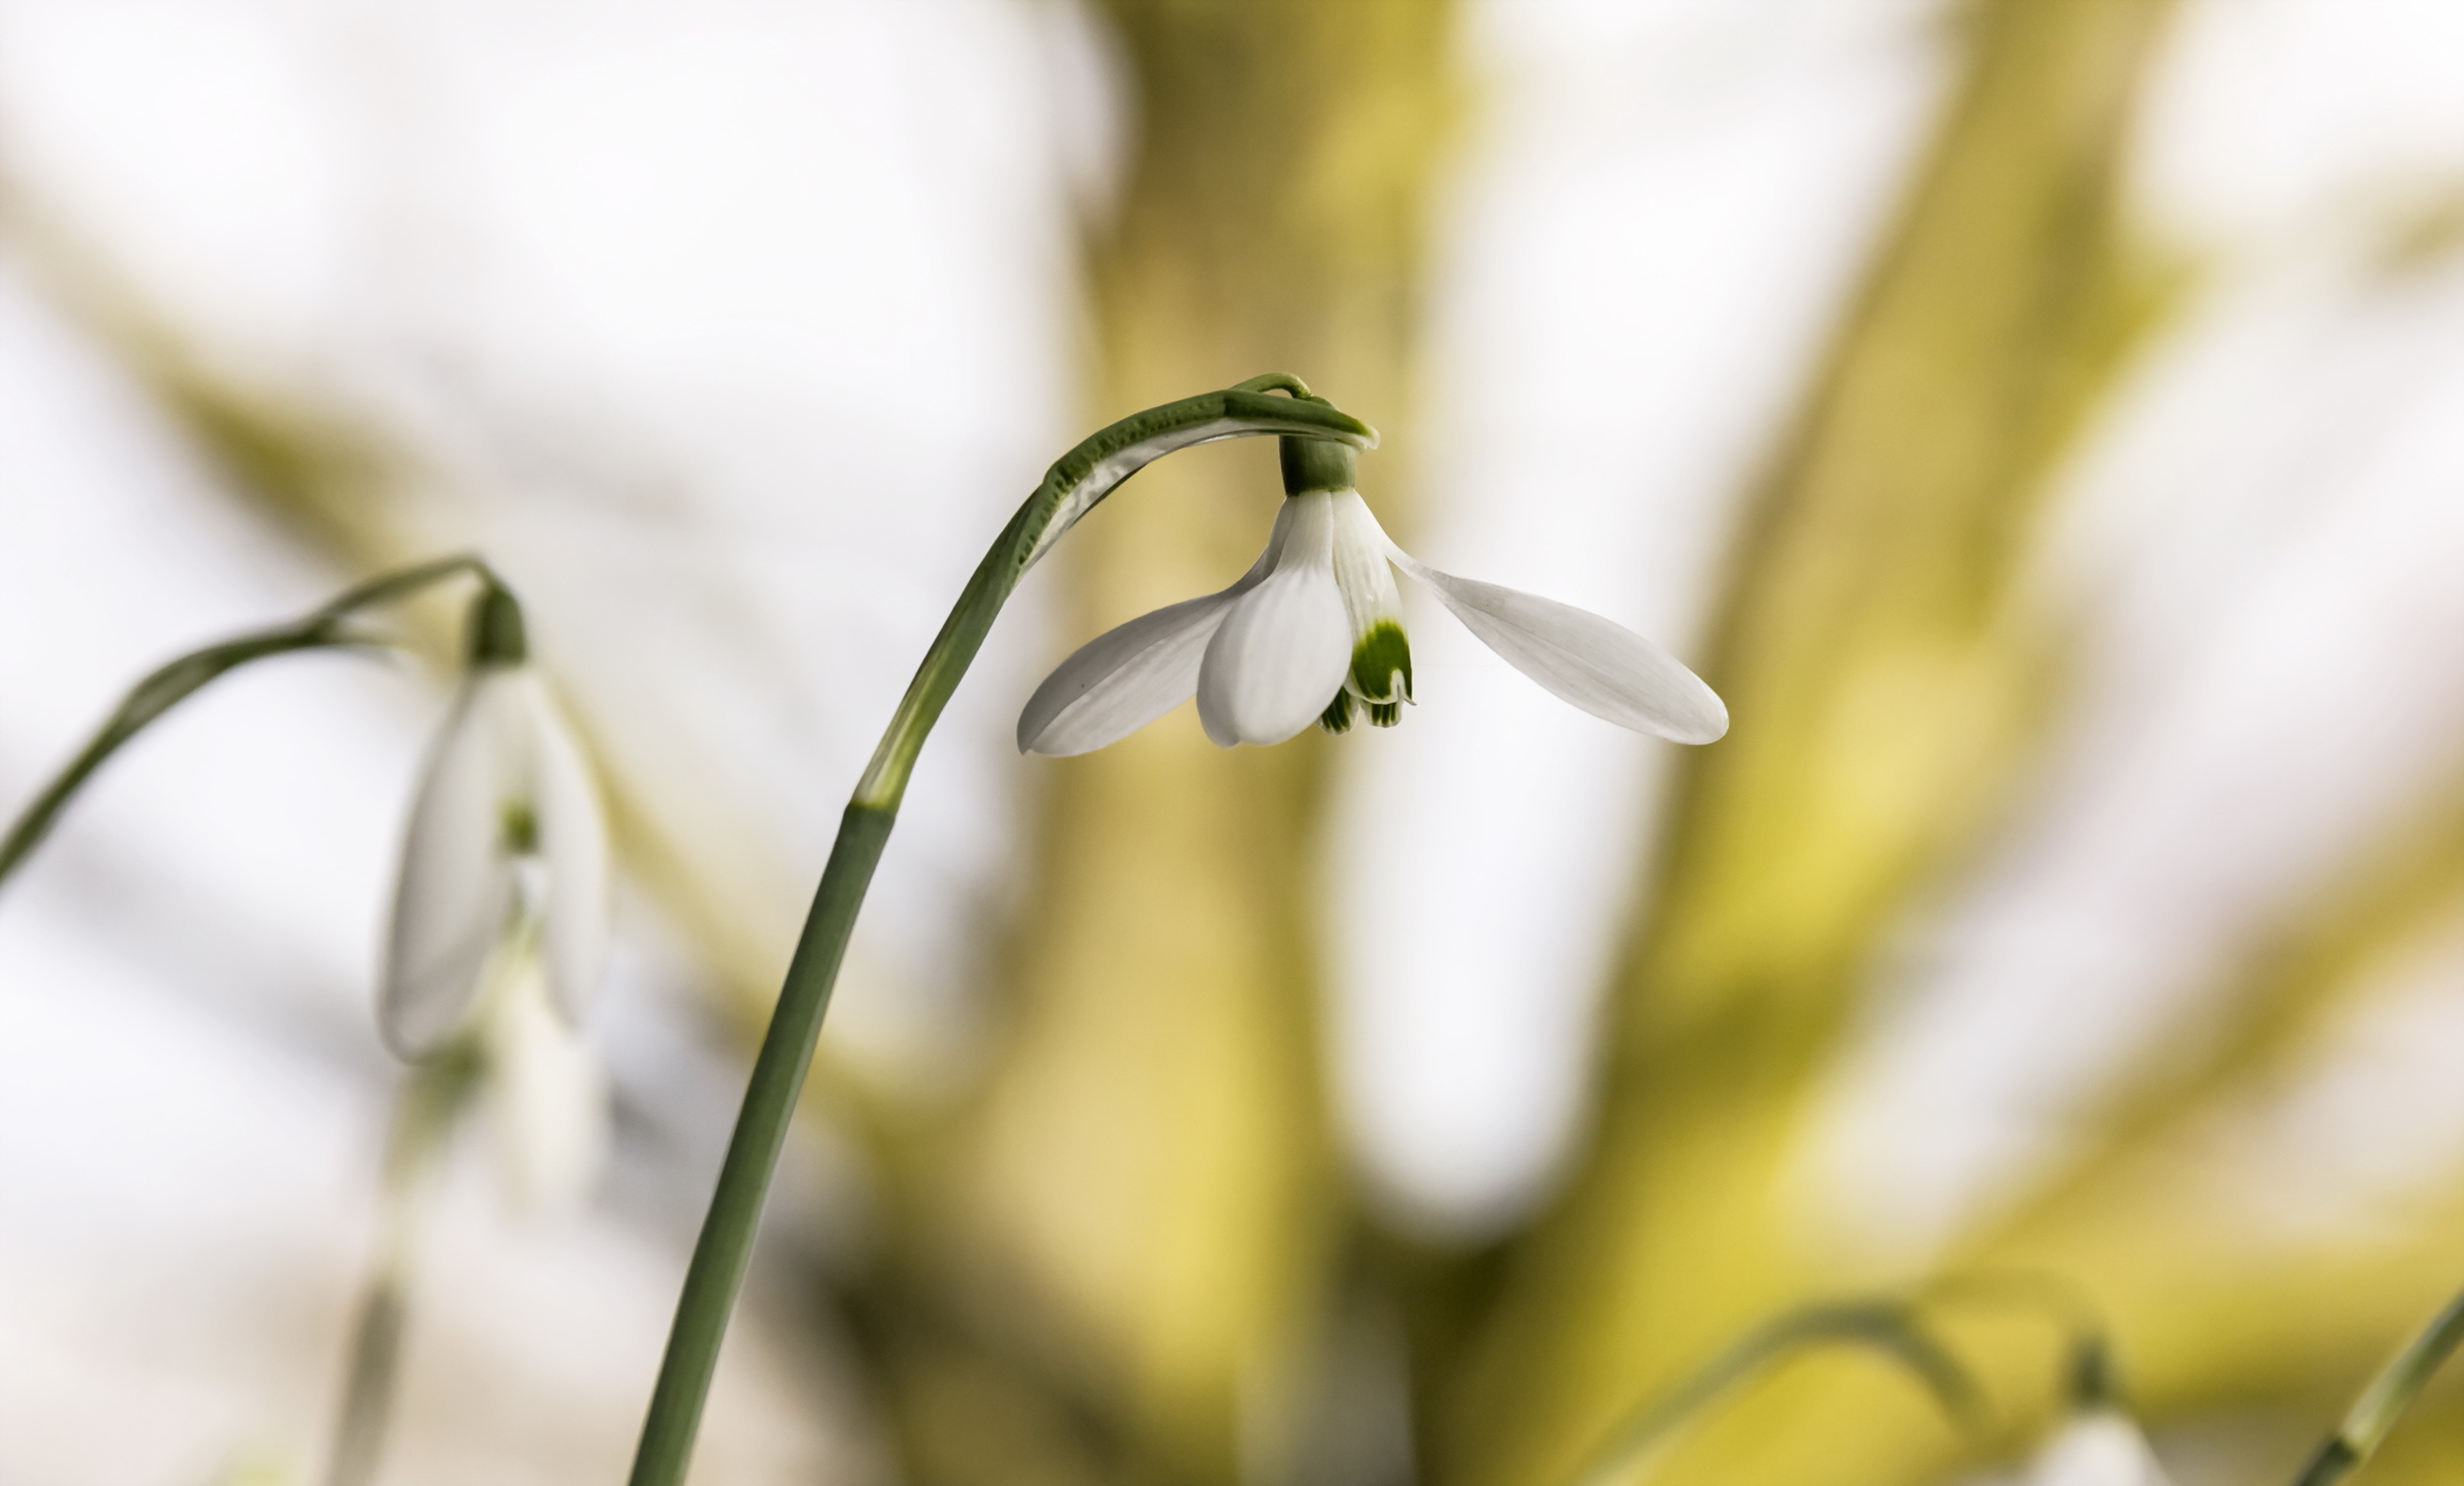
[433, 1095]
[1887, 1325]
[2374, 1414]
[169, 684]
[1070, 488]
[2090, 1383]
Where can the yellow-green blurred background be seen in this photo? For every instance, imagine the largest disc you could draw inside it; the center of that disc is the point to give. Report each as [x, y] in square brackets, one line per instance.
[2043, 420]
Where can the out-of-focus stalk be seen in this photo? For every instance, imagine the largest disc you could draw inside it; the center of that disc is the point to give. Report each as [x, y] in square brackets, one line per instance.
[1072, 487]
[174, 681]
[432, 1098]
[2374, 1414]
[1888, 1326]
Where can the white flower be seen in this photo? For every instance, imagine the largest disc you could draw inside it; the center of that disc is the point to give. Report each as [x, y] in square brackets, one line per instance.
[2099, 1447]
[506, 830]
[547, 1094]
[1313, 630]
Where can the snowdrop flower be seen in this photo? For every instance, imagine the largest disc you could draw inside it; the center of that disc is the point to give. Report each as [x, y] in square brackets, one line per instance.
[547, 1094]
[505, 834]
[1313, 632]
[2099, 1447]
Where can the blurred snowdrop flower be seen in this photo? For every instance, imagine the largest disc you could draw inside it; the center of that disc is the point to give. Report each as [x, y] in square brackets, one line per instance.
[2098, 1446]
[546, 1093]
[1313, 632]
[506, 842]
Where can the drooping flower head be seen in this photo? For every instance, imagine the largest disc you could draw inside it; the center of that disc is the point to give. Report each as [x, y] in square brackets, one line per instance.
[506, 841]
[1314, 632]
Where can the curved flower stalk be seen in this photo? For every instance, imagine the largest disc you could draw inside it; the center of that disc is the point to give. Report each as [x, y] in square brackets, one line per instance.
[325, 628]
[506, 831]
[1314, 632]
[1890, 1327]
[1073, 486]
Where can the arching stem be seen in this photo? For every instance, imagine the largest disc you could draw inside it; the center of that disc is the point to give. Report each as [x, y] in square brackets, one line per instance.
[169, 684]
[1070, 488]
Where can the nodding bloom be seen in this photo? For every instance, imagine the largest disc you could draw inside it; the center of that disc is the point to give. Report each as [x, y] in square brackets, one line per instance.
[2099, 1447]
[506, 846]
[1313, 632]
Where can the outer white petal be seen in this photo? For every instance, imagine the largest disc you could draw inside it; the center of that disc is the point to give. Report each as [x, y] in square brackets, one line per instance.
[573, 843]
[2102, 1448]
[1127, 676]
[455, 890]
[1280, 654]
[1122, 680]
[1601, 666]
[547, 1095]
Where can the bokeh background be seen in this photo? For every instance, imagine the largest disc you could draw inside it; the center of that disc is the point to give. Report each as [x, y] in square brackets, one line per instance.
[2043, 420]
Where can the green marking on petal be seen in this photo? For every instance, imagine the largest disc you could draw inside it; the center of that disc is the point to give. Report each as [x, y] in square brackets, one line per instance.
[1385, 714]
[1381, 664]
[1337, 718]
[520, 824]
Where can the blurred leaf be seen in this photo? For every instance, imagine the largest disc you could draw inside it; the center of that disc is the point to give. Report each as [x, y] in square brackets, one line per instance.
[1883, 686]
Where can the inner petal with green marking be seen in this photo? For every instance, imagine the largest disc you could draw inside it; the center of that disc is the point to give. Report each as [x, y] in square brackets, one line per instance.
[1380, 674]
[1380, 667]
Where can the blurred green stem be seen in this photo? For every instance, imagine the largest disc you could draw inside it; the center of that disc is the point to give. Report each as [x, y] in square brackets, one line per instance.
[174, 681]
[1070, 489]
[432, 1095]
[1887, 1325]
[2374, 1414]
[2090, 1381]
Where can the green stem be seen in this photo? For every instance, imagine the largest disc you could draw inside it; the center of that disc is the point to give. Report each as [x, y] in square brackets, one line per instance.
[2090, 1383]
[433, 1095]
[1887, 1325]
[174, 681]
[1070, 488]
[2374, 1414]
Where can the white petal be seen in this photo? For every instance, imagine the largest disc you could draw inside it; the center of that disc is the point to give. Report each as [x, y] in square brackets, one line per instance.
[1360, 565]
[1282, 652]
[1603, 667]
[2099, 1448]
[457, 887]
[1129, 676]
[1122, 680]
[573, 841]
[1366, 577]
[547, 1095]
